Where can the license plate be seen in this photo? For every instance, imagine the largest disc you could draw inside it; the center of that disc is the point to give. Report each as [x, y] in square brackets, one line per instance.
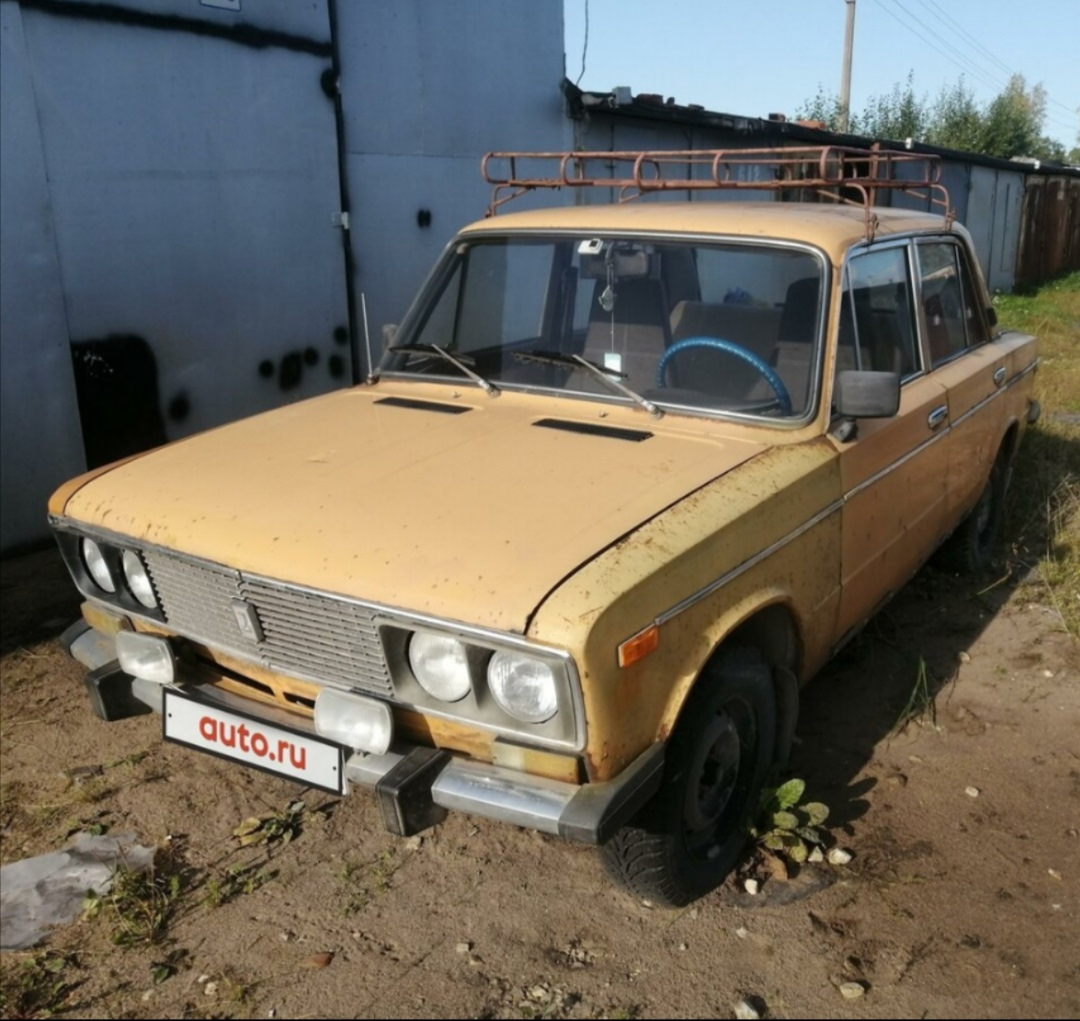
[232, 735]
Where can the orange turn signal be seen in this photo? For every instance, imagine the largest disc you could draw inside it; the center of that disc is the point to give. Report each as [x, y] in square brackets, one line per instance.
[639, 646]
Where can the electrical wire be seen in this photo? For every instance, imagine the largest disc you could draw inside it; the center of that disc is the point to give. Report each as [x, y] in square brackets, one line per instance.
[584, 45]
[969, 66]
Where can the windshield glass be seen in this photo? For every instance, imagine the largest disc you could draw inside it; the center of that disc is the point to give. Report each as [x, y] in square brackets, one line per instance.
[713, 327]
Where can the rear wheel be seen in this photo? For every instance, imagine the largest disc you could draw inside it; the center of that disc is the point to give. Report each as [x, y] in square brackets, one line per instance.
[970, 549]
[689, 837]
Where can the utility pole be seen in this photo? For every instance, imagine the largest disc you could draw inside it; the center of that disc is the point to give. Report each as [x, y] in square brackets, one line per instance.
[845, 77]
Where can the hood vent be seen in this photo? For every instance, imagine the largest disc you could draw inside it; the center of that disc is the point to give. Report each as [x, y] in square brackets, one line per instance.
[610, 432]
[409, 402]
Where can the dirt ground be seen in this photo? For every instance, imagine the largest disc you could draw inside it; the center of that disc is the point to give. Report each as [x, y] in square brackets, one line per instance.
[962, 898]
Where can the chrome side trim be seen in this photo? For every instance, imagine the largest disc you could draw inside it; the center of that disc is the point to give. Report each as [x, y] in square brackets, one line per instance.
[709, 589]
[745, 566]
[1002, 387]
[898, 463]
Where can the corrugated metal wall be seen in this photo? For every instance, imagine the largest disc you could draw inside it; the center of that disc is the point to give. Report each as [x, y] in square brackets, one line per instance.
[39, 419]
[427, 88]
[171, 179]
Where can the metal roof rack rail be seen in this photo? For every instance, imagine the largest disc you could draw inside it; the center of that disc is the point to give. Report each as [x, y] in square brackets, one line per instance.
[836, 173]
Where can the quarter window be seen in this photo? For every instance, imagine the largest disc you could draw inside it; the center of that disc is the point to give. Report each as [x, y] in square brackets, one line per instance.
[945, 311]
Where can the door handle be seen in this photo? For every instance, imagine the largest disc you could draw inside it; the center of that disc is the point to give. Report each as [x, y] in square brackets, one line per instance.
[999, 376]
[937, 416]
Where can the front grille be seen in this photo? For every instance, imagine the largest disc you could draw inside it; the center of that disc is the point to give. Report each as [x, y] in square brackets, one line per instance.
[307, 635]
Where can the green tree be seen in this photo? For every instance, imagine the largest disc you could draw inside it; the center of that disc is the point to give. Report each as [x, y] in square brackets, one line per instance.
[896, 115]
[1010, 125]
[956, 120]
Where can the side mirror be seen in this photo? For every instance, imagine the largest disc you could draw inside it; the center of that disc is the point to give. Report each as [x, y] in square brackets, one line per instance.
[867, 394]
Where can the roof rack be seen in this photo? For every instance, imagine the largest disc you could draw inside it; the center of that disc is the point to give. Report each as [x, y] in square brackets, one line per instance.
[836, 173]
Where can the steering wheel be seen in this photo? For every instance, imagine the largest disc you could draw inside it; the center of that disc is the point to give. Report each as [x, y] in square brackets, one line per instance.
[738, 351]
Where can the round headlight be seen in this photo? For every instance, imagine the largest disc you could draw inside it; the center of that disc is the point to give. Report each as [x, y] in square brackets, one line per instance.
[95, 564]
[138, 580]
[439, 663]
[524, 687]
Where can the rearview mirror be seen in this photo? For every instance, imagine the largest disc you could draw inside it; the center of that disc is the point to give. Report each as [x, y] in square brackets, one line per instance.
[867, 394]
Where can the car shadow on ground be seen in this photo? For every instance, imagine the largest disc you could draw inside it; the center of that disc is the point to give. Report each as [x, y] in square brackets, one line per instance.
[892, 674]
[38, 599]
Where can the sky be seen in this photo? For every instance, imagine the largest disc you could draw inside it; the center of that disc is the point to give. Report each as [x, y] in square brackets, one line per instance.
[756, 57]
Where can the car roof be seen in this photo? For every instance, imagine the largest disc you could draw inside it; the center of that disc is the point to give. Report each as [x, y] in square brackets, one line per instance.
[833, 228]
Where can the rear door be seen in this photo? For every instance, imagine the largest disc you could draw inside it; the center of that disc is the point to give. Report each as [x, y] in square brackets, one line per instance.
[956, 340]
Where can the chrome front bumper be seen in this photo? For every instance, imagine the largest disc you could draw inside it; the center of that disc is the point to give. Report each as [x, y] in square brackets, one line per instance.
[587, 813]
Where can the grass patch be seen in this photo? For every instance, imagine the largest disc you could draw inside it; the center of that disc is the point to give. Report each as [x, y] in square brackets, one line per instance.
[1044, 503]
[139, 904]
[37, 985]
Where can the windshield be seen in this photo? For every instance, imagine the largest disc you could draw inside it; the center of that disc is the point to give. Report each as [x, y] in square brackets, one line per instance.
[712, 327]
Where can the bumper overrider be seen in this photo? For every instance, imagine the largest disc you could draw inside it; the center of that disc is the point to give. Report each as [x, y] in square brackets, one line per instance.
[416, 786]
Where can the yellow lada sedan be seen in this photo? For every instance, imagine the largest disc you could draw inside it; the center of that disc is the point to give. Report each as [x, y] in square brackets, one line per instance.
[627, 477]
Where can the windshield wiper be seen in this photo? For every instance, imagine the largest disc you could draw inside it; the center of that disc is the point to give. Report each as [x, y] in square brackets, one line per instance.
[604, 375]
[489, 388]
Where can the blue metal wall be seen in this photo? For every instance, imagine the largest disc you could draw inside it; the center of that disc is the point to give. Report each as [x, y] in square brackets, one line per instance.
[171, 242]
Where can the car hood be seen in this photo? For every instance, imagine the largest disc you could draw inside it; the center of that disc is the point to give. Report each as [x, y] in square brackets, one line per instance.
[456, 505]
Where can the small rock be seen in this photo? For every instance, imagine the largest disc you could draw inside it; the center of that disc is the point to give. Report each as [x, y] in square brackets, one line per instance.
[694, 913]
[147, 995]
[684, 946]
[210, 988]
[463, 948]
[964, 657]
[741, 932]
[751, 886]
[474, 961]
[972, 792]
[648, 904]
[815, 855]
[777, 868]
[202, 978]
[1054, 874]
[851, 990]
[80, 774]
[1048, 673]
[316, 962]
[838, 856]
[415, 843]
[745, 1012]
[272, 1012]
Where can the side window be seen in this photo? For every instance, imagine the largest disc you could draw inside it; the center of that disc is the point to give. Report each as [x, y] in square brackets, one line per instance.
[945, 311]
[876, 323]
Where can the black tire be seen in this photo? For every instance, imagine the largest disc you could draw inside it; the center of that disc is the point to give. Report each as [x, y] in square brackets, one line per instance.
[690, 835]
[970, 549]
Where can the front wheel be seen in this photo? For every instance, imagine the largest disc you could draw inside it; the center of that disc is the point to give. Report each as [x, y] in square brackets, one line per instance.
[690, 835]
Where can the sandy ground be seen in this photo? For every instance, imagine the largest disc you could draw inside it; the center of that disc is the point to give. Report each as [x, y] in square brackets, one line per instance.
[962, 898]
